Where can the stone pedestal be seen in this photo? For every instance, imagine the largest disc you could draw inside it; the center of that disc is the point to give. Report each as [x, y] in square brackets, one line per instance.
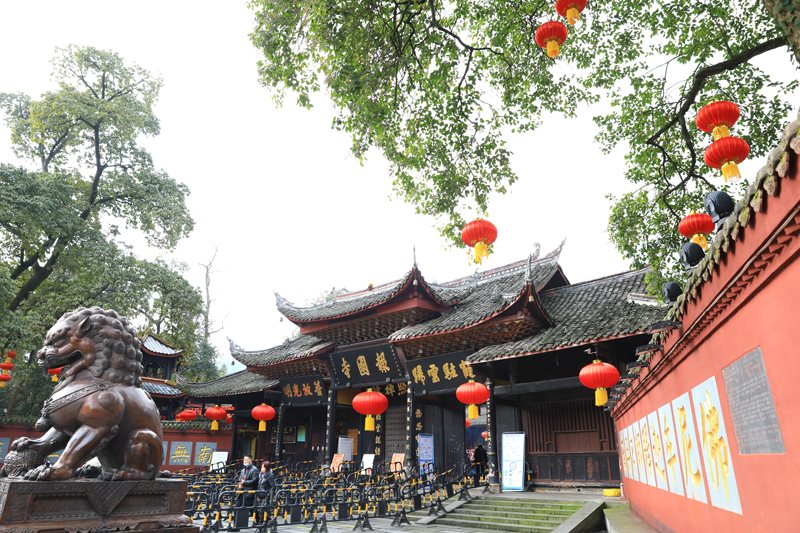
[90, 505]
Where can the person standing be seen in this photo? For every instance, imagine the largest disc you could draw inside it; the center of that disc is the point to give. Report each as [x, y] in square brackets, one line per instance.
[266, 482]
[247, 479]
[479, 458]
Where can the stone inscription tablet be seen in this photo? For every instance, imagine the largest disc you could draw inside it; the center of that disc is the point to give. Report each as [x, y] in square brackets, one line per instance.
[755, 421]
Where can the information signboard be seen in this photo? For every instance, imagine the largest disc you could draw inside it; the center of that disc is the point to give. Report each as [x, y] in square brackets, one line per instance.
[513, 462]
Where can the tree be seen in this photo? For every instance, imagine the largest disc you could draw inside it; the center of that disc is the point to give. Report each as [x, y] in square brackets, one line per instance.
[61, 225]
[436, 86]
[202, 366]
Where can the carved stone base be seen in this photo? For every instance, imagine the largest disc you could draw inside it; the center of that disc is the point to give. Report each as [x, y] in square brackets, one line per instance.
[90, 505]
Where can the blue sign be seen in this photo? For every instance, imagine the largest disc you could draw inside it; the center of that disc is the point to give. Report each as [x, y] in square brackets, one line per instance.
[425, 451]
[4, 443]
[512, 472]
[180, 453]
[203, 452]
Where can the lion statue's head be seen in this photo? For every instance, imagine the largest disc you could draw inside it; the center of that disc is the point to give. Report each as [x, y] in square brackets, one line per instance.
[96, 340]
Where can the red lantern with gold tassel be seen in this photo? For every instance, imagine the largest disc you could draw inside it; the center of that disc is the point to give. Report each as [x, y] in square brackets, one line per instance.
[570, 9]
[695, 227]
[263, 413]
[215, 414]
[479, 234]
[370, 404]
[7, 366]
[54, 373]
[550, 36]
[717, 118]
[4, 378]
[599, 376]
[472, 394]
[725, 154]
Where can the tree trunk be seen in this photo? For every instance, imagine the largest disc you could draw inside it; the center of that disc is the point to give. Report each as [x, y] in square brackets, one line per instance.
[787, 17]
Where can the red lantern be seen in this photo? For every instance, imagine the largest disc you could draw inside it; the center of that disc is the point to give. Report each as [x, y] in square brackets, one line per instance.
[570, 9]
[726, 153]
[4, 378]
[215, 414]
[695, 226]
[229, 418]
[479, 234]
[263, 413]
[370, 403]
[550, 36]
[54, 373]
[11, 353]
[599, 376]
[467, 423]
[6, 365]
[187, 415]
[484, 435]
[717, 117]
[472, 394]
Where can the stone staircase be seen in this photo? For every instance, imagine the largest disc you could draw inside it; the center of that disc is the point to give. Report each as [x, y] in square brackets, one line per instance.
[517, 515]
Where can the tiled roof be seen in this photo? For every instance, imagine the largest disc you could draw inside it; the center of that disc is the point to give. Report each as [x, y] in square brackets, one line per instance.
[160, 387]
[479, 297]
[159, 347]
[298, 348]
[345, 304]
[585, 312]
[765, 184]
[237, 383]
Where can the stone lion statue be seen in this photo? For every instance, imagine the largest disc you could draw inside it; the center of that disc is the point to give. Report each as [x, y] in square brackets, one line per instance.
[98, 409]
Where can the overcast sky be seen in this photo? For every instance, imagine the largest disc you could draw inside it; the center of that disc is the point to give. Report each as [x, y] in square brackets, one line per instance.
[277, 190]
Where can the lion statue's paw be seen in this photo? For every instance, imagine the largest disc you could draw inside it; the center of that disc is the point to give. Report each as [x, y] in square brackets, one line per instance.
[48, 472]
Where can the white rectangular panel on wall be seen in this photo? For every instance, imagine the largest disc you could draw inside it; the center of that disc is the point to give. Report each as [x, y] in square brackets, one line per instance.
[670, 445]
[647, 453]
[688, 448]
[714, 445]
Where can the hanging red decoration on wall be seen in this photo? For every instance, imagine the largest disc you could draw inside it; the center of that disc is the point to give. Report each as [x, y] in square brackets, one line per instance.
[726, 153]
[717, 118]
[472, 394]
[550, 36]
[54, 373]
[263, 413]
[215, 414]
[695, 227]
[570, 9]
[479, 234]
[599, 376]
[370, 403]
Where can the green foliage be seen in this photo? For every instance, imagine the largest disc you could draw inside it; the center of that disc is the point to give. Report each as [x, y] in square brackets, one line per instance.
[202, 366]
[61, 225]
[436, 86]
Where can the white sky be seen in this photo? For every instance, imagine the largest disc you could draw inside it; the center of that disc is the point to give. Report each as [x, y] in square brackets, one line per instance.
[277, 190]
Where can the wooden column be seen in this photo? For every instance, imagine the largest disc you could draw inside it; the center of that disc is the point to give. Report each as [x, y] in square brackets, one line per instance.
[330, 426]
[279, 438]
[491, 448]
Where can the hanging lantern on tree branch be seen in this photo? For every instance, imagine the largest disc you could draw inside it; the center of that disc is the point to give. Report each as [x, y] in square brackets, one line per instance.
[599, 376]
[54, 373]
[4, 378]
[550, 36]
[570, 9]
[370, 404]
[479, 234]
[472, 394]
[695, 226]
[725, 154]
[717, 118]
[263, 413]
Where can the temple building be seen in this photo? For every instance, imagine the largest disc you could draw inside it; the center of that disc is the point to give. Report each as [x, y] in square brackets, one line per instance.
[523, 329]
[160, 364]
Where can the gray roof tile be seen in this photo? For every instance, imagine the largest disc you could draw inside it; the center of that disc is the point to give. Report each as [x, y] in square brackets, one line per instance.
[158, 346]
[585, 312]
[237, 383]
[161, 388]
[297, 348]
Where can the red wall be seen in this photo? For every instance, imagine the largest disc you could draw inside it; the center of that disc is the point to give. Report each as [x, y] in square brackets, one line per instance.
[222, 440]
[765, 314]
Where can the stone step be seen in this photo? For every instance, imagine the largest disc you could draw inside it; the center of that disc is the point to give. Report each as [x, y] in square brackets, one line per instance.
[528, 522]
[520, 513]
[508, 528]
[518, 504]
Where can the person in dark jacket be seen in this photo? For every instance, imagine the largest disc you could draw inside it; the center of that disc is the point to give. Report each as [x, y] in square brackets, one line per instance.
[479, 459]
[266, 479]
[247, 479]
